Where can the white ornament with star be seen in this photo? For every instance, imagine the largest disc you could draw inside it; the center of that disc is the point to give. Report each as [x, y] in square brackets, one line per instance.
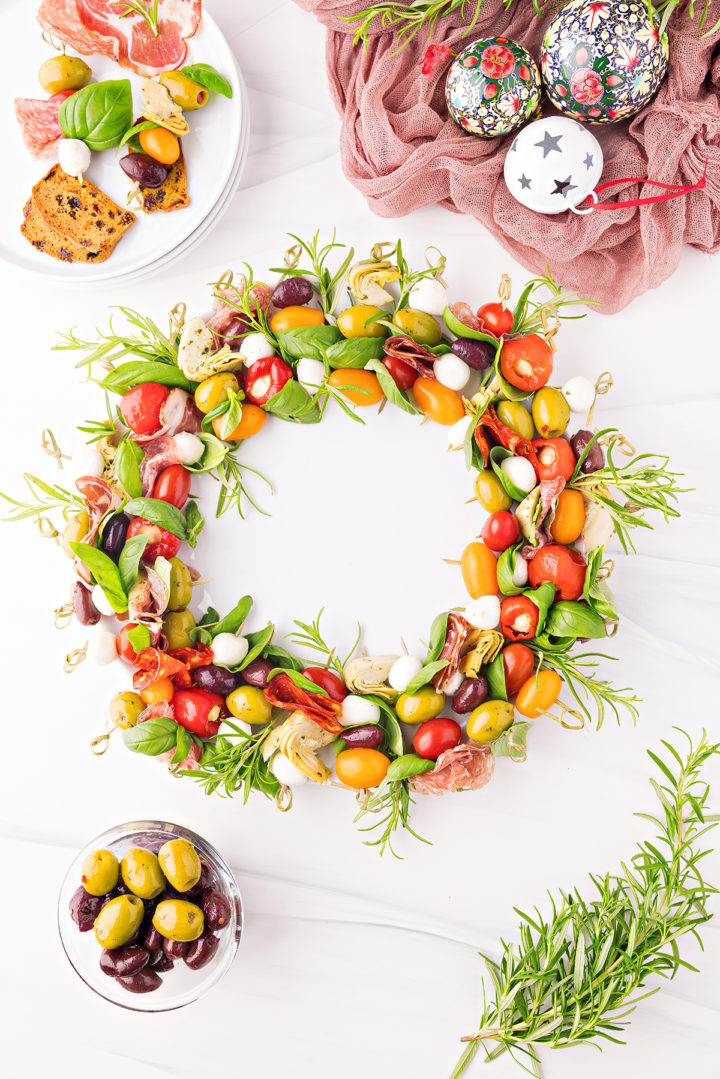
[553, 164]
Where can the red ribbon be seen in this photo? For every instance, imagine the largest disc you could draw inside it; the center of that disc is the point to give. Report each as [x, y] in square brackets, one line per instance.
[676, 191]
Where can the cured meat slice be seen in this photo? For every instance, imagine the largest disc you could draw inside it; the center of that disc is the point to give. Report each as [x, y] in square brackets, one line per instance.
[455, 636]
[136, 46]
[61, 20]
[464, 768]
[38, 119]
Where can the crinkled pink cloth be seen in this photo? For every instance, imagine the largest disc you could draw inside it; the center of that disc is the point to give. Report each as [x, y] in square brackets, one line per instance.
[401, 150]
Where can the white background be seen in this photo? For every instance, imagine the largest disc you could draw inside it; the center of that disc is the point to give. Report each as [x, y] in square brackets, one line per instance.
[352, 965]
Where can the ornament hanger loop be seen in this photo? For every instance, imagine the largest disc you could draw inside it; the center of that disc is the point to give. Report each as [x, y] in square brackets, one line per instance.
[589, 210]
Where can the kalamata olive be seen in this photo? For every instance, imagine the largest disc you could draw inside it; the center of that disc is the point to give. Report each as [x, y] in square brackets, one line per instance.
[207, 879]
[119, 962]
[472, 693]
[216, 909]
[161, 962]
[145, 981]
[595, 458]
[152, 940]
[292, 291]
[175, 949]
[201, 951]
[145, 170]
[257, 673]
[477, 354]
[114, 535]
[85, 610]
[84, 909]
[215, 679]
[369, 736]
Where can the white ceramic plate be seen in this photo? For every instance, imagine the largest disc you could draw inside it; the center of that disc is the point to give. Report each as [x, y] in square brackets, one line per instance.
[214, 153]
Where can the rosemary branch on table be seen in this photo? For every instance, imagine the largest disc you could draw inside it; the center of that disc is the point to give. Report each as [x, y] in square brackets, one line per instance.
[578, 671]
[147, 343]
[44, 499]
[579, 972]
[392, 802]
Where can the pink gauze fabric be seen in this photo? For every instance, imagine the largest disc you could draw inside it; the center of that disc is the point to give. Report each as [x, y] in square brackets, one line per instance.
[402, 151]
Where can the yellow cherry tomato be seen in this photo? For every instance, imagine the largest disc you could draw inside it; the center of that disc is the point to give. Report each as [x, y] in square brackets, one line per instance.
[360, 387]
[424, 703]
[491, 494]
[214, 390]
[438, 402]
[479, 570]
[161, 689]
[352, 322]
[290, 318]
[489, 720]
[569, 518]
[361, 768]
[539, 693]
[515, 416]
[160, 144]
[251, 421]
[75, 531]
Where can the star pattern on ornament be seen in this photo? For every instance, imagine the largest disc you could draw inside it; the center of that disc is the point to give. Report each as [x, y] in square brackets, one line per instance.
[549, 143]
[525, 184]
[563, 187]
[589, 161]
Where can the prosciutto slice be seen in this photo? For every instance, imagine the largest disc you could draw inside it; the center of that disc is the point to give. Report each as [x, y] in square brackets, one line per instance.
[550, 491]
[159, 455]
[178, 413]
[38, 121]
[455, 637]
[134, 43]
[61, 20]
[98, 498]
[464, 768]
[164, 710]
[148, 601]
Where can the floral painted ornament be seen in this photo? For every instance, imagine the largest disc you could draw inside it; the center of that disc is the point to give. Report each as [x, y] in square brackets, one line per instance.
[603, 60]
[492, 87]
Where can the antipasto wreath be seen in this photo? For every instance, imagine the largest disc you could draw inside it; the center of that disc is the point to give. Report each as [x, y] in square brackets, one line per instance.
[232, 709]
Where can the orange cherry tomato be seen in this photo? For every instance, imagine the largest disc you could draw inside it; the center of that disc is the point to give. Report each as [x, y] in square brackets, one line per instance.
[289, 318]
[161, 689]
[160, 144]
[569, 519]
[538, 694]
[361, 768]
[479, 570]
[360, 387]
[518, 665]
[252, 419]
[438, 402]
[526, 362]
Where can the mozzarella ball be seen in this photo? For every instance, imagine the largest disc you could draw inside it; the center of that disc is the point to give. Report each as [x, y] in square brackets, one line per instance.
[286, 772]
[484, 613]
[74, 157]
[451, 371]
[255, 347]
[101, 648]
[101, 601]
[457, 431]
[579, 393]
[226, 729]
[454, 683]
[403, 671]
[428, 295]
[88, 462]
[310, 373]
[520, 472]
[189, 448]
[229, 650]
[520, 573]
[358, 710]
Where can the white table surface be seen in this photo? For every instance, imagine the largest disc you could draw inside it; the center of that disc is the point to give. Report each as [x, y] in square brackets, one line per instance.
[352, 965]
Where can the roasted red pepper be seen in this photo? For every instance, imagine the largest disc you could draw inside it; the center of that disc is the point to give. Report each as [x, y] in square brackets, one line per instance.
[519, 618]
[198, 711]
[283, 693]
[554, 458]
[504, 436]
[265, 378]
[333, 686]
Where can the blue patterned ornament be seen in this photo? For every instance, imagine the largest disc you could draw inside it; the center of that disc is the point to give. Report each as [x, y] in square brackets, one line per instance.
[603, 60]
[493, 87]
[553, 165]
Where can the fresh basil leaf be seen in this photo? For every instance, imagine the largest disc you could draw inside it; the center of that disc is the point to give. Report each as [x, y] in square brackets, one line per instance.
[543, 597]
[199, 635]
[495, 674]
[132, 132]
[164, 571]
[461, 330]
[233, 413]
[284, 660]
[387, 385]
[598, 594]
[159, 513]
[498, 454]
[153, 737]
[184, 745]
[129, 561]
[355, 351]
[438, 633]
[209, 77]
[257, 643]
[512, 742]
[568, 618]
[139, 637]
[133, 373]
[127, 467]
[406, 766]
[312, 341]
[214, 455]
[506, 569]
[390, 724]
[194, 522]
[425, 675]
[210, 618]
[521, 305]
[105, 573]
[232, 622]
[99, 114]
[293, 402]
[300, 680]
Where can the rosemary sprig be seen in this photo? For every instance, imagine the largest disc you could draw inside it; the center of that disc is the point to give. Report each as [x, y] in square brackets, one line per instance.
[149, 343]
[141, 8]
[312, 639]
[233, 762]
[408, 278]
[557, 301]
[229, 474]
[589, 691]
[45, 499]
[577, 974]
[327, 286]
[392, 801]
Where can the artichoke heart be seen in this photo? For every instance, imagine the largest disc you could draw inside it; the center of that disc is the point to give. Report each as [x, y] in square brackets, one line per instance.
[366, 278]
[108, 451]
[159, 107]
[480, 649]
[598, 528]
[197, 357]
[299, 738]
[369, 674]
[527, 515]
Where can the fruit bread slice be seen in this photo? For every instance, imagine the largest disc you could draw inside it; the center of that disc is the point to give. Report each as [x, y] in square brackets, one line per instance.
[50, 242]
[80, 212]
[172, 193]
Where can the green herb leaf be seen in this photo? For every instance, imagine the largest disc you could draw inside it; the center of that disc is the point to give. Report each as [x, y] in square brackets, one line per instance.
[568, 618]
[257, 643]
[506, 569]
[355, 351]
[129, 561]
[99, 114]
[598, 594]
[312, 341]
[164, 571]
[209, 77]
[498, 454]
[495, 674]
[127, 467]
[461, 330]
[438, 633]
[135, 372]
[285, 660]
[390, 724]
[232, 415]
[425, 675]
[300, 680]
[409, 764]
[139, 637]
[153, 737]
[105, 573]
[543, 596]
[132, 132]
[387, 384]
[159, 513]
[194, 522]
[215, 453]
[512, 742]
[232, 622]
[184, 745]
[293, 402]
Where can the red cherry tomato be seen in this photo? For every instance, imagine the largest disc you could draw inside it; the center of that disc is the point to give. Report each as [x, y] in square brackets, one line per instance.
[434, 736]
[519, 618]
[403, 375]
[198, 711]
[527, 362]
[140, 407]
[173, 486]
[124, 649]
[161, 544]
[333, 686]
[563, 566]
[495, 319]
[555, 458]
[518, 665]
[500, 530]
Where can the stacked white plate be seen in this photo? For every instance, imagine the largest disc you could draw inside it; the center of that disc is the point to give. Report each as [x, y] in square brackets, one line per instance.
[215, 152]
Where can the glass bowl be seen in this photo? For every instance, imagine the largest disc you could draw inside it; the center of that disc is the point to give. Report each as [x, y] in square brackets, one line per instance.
[180, 986]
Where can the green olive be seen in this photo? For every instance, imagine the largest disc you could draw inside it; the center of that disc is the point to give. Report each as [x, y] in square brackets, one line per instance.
[177, 919]
[425, 703]
[119, 920]
[214, 390]
[141, 872]
[64, 73]
[185, 92]
[491, 494]
[550, 411]
[352, 322]
[249, 704]
[516, 417]
[489, 720]
[420, 326]
[100, 872]
[180, 585]
[180, 864]
[176, 627]
[125, 709]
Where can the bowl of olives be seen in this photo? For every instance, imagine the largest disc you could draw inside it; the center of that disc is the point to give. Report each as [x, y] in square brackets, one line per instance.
[150, 916]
